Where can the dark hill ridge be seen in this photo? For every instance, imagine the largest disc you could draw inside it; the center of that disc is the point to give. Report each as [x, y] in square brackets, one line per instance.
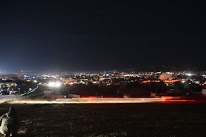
[143, 120]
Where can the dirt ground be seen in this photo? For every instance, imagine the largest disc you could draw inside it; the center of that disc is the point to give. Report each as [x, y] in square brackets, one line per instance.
[102, 120]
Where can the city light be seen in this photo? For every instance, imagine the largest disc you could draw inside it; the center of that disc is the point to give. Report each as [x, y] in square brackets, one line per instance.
[54, 84]
[188, 74]
[35, 81]
[183, 81]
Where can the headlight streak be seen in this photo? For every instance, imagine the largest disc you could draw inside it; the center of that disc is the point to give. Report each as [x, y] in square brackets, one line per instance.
[90, 101]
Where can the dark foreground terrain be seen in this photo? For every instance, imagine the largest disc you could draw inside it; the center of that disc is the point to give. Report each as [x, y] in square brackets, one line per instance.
[143, 120]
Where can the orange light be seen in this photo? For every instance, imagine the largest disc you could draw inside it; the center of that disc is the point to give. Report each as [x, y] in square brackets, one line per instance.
[167, 97]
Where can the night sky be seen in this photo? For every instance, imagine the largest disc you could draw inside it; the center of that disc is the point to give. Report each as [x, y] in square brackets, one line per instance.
[77, 36]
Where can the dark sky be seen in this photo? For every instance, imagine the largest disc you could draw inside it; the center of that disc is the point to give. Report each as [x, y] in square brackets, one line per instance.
[77, 35]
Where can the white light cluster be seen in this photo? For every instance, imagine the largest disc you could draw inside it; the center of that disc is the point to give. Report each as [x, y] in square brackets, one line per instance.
[188, 74]
[54, 84]
[35, 81]
[183, 81]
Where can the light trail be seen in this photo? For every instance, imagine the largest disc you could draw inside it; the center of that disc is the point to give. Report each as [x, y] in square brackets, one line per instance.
[90, 101]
